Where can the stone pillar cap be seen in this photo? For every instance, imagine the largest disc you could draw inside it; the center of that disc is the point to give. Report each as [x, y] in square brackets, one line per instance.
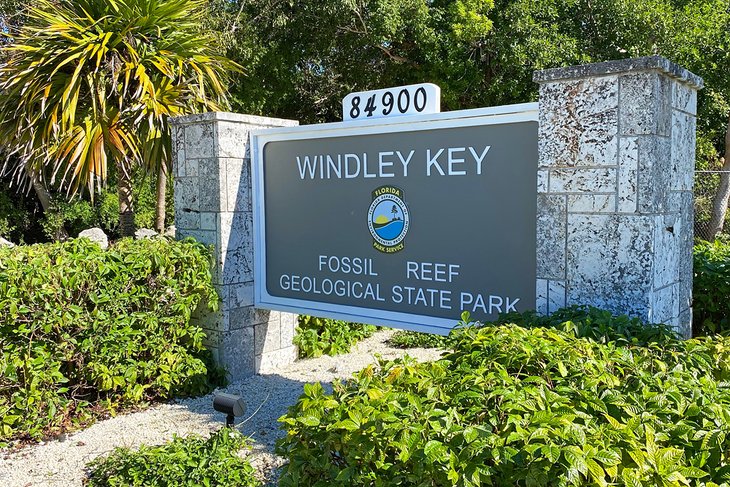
[254, 120]
[647, 63]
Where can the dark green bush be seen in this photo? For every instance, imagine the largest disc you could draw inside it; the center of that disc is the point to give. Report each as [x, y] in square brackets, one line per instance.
[581, 321]
[83, 327]
[595, 324]
[711, 300]
[79, 214]
[514, 406]
[22, 219]
[415, 339]
[317, 336]
[74, 216]
[190, 461]
[17, 214]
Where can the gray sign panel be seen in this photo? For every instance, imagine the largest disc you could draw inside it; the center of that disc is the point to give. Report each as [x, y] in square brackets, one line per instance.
[399, 226]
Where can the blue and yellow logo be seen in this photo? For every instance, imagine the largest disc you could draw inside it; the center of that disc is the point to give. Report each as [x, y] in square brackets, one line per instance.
[388, 219]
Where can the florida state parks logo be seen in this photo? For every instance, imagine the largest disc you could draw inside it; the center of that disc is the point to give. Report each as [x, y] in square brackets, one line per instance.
[388, 219]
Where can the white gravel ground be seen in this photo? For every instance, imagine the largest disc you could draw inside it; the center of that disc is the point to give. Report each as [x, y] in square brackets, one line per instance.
[61, 462]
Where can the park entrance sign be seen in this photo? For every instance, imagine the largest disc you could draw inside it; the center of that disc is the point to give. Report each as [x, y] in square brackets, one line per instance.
[403, 222]
[408, 219]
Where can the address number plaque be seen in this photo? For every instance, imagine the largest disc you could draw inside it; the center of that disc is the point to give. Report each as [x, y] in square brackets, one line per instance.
[424, 98]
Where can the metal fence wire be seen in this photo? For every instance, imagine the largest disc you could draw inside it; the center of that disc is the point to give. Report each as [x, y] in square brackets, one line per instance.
[706, 186]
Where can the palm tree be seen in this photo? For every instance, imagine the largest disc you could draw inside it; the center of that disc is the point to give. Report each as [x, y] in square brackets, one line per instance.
[89, 82]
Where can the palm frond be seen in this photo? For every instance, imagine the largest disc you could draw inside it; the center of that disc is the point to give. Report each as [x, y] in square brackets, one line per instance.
[90, 82]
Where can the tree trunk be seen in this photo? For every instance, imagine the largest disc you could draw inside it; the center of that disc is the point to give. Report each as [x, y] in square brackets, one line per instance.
[126, 204]
[722, 197]
[45, 198]
[161, 194]
[41, 192]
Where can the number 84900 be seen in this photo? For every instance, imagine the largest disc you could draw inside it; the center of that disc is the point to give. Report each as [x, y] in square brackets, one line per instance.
[405, 100]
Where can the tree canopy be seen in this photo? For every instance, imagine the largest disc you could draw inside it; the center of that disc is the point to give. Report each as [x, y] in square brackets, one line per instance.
[303, 56]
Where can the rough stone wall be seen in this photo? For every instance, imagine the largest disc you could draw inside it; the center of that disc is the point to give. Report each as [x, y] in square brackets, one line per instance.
[212, 174]
[615, 213]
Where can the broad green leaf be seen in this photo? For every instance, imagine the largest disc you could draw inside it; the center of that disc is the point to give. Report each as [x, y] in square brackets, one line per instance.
[576, 459]
[630, 479]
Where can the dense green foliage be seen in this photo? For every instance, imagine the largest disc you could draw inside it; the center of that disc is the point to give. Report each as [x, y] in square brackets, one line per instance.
[85, 330]
[415, 339]
[189, 461]
[583, 321]
[524, 407]
[11, 15]
[595, 324]
[22, 219]
[317, 336]
[19, 216]
[81, 213]
[303, 56]
[711, 292]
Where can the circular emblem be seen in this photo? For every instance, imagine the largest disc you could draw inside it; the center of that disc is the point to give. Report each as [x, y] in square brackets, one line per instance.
[388, 219]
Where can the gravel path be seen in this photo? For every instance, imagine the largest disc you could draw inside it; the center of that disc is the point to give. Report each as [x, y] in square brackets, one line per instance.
[61, 462]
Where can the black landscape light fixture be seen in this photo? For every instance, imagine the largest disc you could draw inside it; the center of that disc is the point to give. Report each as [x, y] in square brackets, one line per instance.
[229, 404]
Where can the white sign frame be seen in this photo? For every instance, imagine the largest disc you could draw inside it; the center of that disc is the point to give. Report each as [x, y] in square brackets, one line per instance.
[524, 112]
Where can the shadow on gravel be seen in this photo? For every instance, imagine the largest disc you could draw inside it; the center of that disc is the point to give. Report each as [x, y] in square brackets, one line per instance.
[267, 398]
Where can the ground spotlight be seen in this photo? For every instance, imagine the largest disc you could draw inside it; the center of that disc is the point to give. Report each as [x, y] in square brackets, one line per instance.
[229, 404]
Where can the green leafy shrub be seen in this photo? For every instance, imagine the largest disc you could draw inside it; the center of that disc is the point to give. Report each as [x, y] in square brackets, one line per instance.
[595, 324]
[74, 216]
[84, 330]
[79, 214]
[317, 336]
[524, 407]
[190, 461]
[22, 219]
[415, 339]
[711, 293]
[108, 211]
[145, 204]
[9, 215]
[17, 212]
